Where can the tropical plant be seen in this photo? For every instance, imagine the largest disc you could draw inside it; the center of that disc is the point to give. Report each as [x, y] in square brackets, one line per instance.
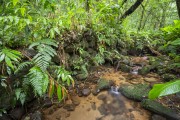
[168, 88]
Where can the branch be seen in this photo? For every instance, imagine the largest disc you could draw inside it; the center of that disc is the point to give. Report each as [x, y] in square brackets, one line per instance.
[131, 9]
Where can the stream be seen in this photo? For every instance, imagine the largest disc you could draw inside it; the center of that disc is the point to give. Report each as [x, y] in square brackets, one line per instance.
[107, 105]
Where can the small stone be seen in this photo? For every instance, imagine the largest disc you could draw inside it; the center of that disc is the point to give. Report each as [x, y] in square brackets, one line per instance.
[102, 97]
[95, 91]
[151, 79]
[36, 115]
[69, 107]
[75, 100]
[86, 91]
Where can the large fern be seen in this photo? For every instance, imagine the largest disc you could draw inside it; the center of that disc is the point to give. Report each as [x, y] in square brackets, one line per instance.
[45, 52]
[37, 79]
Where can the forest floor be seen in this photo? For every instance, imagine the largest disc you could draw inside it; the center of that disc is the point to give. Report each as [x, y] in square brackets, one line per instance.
[107, 105]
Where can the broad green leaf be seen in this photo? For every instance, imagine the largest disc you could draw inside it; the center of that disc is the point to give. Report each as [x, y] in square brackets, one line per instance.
[2, 57]
[57, 30]
[8, 62]
[17, 93]
[15, 2]
[59, 92]
[52, 33]
[22, 98]
[165, 89]
[23, 11]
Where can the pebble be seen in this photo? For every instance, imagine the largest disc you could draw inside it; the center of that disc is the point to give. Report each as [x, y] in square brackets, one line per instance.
[86, 91]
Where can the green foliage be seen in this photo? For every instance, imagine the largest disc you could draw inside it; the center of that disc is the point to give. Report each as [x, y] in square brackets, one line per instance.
[45, 52]
[165, 89]
[9, 56]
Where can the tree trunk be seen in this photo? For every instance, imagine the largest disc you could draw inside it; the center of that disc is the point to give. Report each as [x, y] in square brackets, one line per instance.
[178, 7]
[131, 9]
[87, 5]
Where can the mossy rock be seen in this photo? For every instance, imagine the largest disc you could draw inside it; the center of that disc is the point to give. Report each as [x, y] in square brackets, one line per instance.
[81, 76]
[135, 92]
[125, 68]
[104, 84]
[7, 101]
[145, 70]
[167, 77]
[158, 108]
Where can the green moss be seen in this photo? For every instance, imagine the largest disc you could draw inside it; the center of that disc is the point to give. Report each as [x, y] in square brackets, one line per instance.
[135, 92]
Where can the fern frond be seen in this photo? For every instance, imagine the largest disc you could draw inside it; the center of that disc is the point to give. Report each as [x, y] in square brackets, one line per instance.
[48, 42]
[45, 52]
[42, 60]
[23, 66]
[38, 80]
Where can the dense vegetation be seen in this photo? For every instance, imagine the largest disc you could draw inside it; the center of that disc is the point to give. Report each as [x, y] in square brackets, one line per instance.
[43, 43]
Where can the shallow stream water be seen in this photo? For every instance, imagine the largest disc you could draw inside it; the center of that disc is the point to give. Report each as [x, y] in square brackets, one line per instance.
[107, 105]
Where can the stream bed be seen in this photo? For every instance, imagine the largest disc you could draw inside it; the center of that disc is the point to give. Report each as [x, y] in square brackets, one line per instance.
[109, 104]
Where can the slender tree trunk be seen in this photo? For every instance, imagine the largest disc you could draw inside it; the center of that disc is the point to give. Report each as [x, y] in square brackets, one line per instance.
[178, 7]
[163, 18]
[87, 5]
[146, 19]
[131, 9]
[142, 15]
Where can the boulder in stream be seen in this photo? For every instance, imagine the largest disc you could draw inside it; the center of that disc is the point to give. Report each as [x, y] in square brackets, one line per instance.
[158, 108]
[104, 84]
[135, 92]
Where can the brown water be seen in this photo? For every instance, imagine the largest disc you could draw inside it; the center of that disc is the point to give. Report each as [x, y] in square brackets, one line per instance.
[107, 105]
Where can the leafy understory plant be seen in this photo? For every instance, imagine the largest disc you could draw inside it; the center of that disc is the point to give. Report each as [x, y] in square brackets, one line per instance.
[38, 77]
[9, 57]
[165, 89]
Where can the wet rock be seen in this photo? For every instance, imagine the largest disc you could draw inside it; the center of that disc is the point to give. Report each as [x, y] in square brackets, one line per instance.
[158, 108]
[69, 106]
[95, 91]
[157, 117]
[17, 113]
[75, 100]
[86, 91]
[81, 76]
[124, 67]
[144, 70]
[36, 116]
[47, 103]
[151, 79]
[102, 97]
[167, 77]
[104, 84]
[135, 92]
